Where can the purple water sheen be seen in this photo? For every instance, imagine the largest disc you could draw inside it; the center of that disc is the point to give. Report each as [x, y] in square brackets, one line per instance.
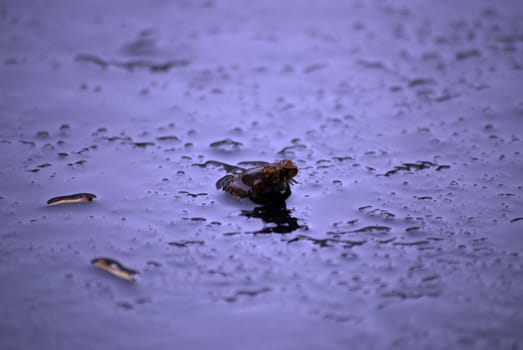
[404, 118]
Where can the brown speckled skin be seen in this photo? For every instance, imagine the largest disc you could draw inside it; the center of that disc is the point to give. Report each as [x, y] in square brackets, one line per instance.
[265, 184]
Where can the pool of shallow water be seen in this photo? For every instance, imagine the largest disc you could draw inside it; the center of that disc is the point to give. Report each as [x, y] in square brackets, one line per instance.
[404, 230]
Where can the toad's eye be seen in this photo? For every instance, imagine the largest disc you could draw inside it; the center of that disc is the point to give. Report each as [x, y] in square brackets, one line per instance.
[288, 168]
[292, 171]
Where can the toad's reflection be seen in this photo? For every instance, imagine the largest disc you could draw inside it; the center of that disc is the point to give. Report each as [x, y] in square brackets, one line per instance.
[276, 217]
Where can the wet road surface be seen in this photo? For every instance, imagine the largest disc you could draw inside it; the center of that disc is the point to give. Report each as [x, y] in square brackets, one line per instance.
[405, 119]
